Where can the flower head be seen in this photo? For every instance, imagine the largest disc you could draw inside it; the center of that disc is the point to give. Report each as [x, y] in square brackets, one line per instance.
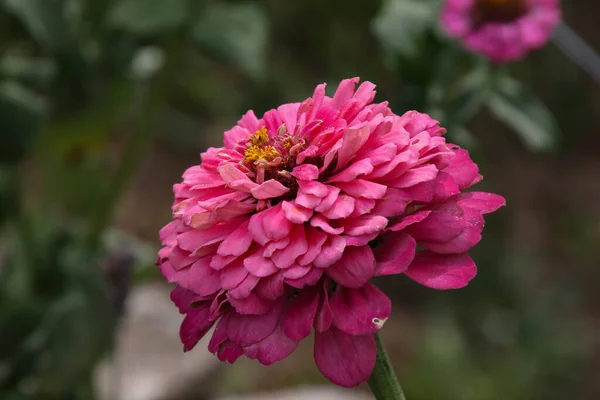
[502, 30]
[279, 232]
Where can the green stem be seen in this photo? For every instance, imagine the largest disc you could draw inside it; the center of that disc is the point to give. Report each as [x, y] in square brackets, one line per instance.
[383, 381]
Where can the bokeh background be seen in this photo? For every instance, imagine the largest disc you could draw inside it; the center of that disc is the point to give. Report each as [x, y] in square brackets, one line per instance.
[104, 103]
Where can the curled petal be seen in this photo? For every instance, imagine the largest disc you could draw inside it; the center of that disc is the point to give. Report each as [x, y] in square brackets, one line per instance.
[236, 178]
[269, 189]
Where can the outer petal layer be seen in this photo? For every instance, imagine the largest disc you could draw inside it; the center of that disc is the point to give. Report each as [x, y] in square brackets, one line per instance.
[346, 360]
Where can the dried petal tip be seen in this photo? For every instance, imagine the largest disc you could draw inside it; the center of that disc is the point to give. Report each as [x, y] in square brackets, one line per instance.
[379, 322]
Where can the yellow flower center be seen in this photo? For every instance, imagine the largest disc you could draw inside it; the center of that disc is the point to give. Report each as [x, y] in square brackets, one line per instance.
[260, 137]
[258, 148]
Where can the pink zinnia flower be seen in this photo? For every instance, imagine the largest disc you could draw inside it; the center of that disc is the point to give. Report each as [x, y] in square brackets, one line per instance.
[280, 231]
[502, 30]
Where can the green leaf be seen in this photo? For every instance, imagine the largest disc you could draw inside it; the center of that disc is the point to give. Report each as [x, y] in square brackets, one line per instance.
[515, 105]
[148, 17]
[43, 18]
[34, 71]
[466, 97]
[400, 24]
[235, 33]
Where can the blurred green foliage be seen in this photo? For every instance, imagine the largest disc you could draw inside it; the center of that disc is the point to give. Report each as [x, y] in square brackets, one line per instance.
[86, 86]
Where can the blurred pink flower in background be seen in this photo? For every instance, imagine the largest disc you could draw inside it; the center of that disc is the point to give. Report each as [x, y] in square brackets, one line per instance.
[502, 30]
[280, 231]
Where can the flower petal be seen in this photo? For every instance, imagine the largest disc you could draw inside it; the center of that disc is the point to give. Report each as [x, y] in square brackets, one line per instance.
[259, 266]
[310, 279]
[252, 304]
[195, 325]
[319, 221]
[355, 268]
[235, 178]
[248, 329]
[204, 280]
[443, 272]
[269, 189]
[298, 246]
[415, 176]
[315, 239]
[353, 140]
[341, 208]
[463, 170]
[271, 287]
[409, 220]
[360, 311]
[363, 188]
[270, 224]
[271, 349]
[300, 316]
[482, 201]
[346, 360]
[306, 172]
[331, 251]
[364, 225]
[395, 254]
[295, 213]
[229, 351]
[238, 241]
[353, 171]
[219, 335]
